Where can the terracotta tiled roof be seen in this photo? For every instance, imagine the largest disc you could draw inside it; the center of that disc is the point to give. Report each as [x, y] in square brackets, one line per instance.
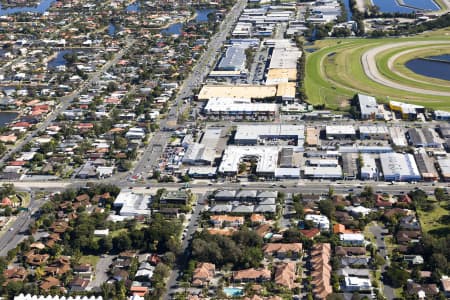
[321, 270]
[203, 273]
[49, 282]
[271, 248]
[285, 275]
[252, 274]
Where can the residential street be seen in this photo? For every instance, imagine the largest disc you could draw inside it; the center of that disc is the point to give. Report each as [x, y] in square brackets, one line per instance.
[377, 230]
[191, 228]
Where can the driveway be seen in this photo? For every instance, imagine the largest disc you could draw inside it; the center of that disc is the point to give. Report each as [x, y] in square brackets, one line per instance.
[101, 270]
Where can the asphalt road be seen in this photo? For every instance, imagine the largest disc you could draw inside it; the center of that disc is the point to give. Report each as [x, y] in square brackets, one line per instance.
[377, 230]
[301, 186]
[17, 231]
[101, 269]
[204, 65]
[171, 285]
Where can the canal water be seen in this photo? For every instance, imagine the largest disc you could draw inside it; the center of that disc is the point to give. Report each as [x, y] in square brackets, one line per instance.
[112, 29]
[134, 7]
[59, 60]
[173, 29]
[201, 15]
[176, 28]
[434, 66]
[7, 117]
[42, 7]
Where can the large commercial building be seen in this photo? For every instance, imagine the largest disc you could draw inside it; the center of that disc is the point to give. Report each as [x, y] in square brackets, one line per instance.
[237, 91]
[425, 165]
[199, 154]
[424, 137]
[254, 134]
[350, 166]
[284, 57]
[373, 132]
[398, 136]
[233, 60]
[399, 167]
[283, 62]
[340, 131]
[369, 108]
[235, 108]
[132, 205]
[444, 168]
[369, 170]
[441, 115]
[326, 172]
[407, 111]
[266, 157]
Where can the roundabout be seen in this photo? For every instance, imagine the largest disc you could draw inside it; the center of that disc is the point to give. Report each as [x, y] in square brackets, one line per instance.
[337, 69]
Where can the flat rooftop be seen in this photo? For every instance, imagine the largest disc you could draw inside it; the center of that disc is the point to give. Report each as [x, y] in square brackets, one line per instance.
[253, 132]
[267, 157]
[286, 74]
[231, 91]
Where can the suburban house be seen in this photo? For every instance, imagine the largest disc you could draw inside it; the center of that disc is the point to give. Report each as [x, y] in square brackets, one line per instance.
[203, 274]
[252, 275]
[445, 282]
[354, 239]
[285, 275]
[281, 251]
[347, 251]
[84, 271]
[321, 270]
[226, 220]
[413, 259]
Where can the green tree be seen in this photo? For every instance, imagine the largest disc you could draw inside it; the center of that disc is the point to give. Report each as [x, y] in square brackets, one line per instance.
[121, 242]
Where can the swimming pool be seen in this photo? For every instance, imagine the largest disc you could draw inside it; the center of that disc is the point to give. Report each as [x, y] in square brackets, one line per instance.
[233, 291]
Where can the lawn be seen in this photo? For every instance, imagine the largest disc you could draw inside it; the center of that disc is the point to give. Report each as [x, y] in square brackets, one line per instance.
[117, 232]
[89, 259]
[436, 222]
[334, 73]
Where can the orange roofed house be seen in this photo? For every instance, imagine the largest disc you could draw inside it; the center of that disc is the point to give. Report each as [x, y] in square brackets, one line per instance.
[252, 275]
[285, 275]
[203, 274]
[281, 251]
[321, 270]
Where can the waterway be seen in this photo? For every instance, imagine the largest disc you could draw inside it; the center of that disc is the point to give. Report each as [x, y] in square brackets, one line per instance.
[347, 9]
[405, 6]
[434, 66]
[42, 7]
[134, 7]
[59, 60]
[201, 15]
[112, 29]
[7, 117]
[173, 29]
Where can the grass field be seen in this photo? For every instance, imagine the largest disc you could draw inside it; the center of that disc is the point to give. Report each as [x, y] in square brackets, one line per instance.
[89, 259]
[334, 73]
[436, 222]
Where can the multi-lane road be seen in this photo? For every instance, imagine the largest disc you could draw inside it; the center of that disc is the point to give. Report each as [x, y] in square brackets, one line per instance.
[17, 231]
